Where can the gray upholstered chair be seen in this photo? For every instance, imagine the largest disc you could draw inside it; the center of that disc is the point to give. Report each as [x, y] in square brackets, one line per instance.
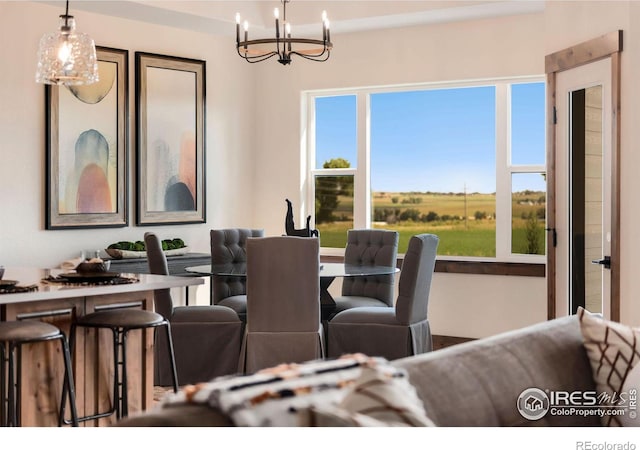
[392, 332]
[229, 246]
[283, 302]
[369, 247]
[206, 339]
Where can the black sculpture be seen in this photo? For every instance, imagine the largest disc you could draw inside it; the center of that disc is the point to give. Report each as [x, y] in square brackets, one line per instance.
[290, 227]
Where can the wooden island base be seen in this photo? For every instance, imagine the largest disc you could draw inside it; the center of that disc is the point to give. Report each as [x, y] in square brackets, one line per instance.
[92, 356]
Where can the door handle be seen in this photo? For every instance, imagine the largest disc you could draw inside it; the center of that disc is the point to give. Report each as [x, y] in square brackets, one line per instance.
[606, 262]
[554, 236]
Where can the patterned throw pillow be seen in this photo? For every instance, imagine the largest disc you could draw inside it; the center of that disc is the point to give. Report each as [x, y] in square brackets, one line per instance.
[283, 396]
[380, 397]
[614, 352]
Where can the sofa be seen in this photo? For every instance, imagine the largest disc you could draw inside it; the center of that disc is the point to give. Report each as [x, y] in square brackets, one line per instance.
[474, 384]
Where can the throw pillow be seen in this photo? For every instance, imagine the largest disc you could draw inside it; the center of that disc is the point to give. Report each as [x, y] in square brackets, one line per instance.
[335, 416]
[374, 392]
[614, 351]
[381, 396]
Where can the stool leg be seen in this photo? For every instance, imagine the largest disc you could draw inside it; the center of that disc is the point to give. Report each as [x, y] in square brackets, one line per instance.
[18, 381]
[117, 398]
[124, 396]
[66, 388]
[3, 386]
[68, 381]
[11, 406]
[172, 359]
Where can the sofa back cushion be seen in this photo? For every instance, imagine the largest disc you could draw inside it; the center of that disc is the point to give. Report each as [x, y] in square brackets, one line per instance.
[478, 383]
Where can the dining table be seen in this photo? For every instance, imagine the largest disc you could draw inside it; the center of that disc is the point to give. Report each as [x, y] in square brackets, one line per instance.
[329, 271]
[56, 296]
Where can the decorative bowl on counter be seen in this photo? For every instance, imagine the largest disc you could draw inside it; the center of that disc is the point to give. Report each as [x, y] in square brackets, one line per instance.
[93, 267]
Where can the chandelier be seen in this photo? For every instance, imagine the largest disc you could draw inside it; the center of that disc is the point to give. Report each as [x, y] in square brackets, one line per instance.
[257, 50]
[67, 57]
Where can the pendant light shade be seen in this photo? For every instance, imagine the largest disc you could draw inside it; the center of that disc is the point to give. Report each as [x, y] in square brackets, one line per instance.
[67, 57]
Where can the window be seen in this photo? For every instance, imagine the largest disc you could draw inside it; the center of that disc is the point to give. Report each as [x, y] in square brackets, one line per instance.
[465, 161]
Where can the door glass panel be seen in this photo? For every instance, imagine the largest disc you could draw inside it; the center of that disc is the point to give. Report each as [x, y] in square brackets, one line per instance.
[587, 207]
[593, 206]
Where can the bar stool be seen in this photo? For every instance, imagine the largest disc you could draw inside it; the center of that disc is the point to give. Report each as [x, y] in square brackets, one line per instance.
[12, 335]
[120, 322]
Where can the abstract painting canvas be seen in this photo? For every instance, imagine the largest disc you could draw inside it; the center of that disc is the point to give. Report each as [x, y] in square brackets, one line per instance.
[170, 95]
[87, 148]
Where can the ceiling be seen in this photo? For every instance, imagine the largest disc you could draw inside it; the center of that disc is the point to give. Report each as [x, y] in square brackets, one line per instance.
[218, 16]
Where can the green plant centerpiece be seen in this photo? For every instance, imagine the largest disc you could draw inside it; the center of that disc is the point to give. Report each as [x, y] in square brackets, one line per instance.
[137, 249]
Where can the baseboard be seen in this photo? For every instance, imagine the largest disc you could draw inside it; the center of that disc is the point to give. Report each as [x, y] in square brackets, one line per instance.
[440, 341]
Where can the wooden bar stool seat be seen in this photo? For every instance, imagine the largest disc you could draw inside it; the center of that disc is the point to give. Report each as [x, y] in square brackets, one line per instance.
[12, 335]
[120, 322]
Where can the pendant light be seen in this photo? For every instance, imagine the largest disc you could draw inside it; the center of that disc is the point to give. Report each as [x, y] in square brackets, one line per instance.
[67, 57]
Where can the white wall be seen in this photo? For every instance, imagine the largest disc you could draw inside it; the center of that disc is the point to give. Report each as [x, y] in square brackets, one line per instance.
[229, 142]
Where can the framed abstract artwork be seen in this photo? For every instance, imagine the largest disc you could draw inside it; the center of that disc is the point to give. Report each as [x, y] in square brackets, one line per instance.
[86, 172]
[170, 124]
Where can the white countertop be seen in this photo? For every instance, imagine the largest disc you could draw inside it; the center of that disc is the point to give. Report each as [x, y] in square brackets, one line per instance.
[27, 276]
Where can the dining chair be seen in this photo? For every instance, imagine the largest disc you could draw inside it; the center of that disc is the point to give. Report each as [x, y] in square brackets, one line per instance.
[206, 339]
[375, 248]
[228, 245]
[392, 332]
[283, 302]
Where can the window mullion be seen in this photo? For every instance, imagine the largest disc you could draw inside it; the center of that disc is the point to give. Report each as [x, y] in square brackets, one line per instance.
[362, 184]
[503, 175]
[308, 124]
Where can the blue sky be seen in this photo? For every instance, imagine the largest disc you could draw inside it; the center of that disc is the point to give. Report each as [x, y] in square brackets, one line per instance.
[435, 140]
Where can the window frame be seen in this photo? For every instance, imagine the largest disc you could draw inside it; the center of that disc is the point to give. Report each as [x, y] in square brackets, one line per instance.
[362, 175]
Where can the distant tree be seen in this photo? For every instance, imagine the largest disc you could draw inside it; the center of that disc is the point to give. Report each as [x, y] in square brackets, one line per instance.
[430, 216]
[329, 188]
[395, 200]
[532, 233]
[479, 215]
[410, 214]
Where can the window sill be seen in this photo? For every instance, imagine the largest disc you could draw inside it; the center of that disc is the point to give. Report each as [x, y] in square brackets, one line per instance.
[468, 267]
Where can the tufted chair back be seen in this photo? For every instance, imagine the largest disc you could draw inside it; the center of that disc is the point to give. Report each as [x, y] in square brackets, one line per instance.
[229, 246]
[371, 247]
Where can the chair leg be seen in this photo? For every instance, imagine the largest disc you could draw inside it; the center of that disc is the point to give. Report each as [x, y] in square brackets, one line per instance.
[172, 359]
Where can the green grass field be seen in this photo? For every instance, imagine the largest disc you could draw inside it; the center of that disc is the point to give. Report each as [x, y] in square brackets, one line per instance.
[457, 238]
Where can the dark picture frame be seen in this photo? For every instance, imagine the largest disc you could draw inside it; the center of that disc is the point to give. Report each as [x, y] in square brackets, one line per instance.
[170, 144]
[87, 148]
